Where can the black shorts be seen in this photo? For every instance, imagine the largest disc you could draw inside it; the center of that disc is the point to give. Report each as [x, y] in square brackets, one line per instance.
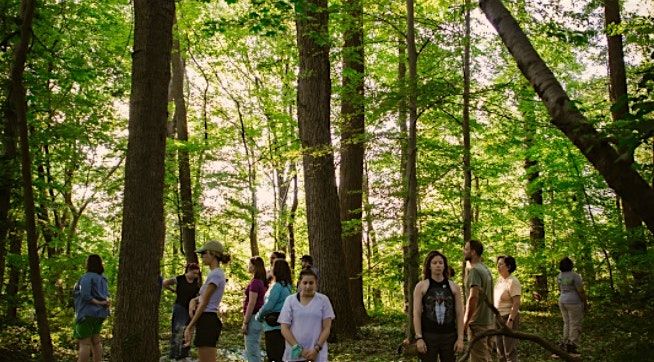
[208, 330]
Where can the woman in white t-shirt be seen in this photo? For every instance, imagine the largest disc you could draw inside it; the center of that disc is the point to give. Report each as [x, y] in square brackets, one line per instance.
[204, 309]
[306, 320]
[507, 301]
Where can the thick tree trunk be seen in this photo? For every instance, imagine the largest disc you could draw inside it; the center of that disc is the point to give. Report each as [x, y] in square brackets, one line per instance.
[185, 192]
[18, 105]
[534, 188]
[8, 179]
[615, 169]
[137, 307]
[410, 247]
[323, 211]
[619, 111]
[352, 154]
[467, 171]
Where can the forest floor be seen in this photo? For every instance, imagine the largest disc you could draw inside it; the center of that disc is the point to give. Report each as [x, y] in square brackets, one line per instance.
[612, 332]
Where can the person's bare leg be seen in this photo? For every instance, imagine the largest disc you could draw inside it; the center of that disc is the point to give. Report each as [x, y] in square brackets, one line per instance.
[84, 353]
[97, 348]
[207, 354]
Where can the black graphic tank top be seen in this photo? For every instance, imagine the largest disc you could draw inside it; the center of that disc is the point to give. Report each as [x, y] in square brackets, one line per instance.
[438, 308]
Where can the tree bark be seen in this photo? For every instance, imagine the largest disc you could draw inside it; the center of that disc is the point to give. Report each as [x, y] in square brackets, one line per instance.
[534, 189]
[323, 211]
[185, 188]
[13, 285]
[616, 170]
[352, 154]
[467, 171]
[619, 111]
[291, 217]
[137, 307]
[410, 247]
[18, 116]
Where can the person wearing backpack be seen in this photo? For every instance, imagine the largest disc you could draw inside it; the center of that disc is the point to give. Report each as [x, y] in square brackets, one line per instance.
[91, 309]
[272, 306]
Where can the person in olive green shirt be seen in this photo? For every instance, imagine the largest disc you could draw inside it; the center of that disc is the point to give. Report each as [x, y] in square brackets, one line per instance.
[479, 287]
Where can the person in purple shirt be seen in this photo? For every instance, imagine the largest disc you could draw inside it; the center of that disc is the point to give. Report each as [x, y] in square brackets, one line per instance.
[306, 320]
[253, 301]
[204, 308]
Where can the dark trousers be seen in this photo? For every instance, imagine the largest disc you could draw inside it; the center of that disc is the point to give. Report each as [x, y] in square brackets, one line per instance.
[439, 346]
[275, 345]
[180, 319]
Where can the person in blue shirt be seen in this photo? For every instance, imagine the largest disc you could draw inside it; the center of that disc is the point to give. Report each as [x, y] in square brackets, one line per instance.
[91, 309]
[273, 303]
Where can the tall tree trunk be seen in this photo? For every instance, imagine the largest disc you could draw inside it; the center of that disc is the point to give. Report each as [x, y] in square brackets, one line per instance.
[352, 153]
[291, 217]
[619, 111]
[8, 179]
[323, 211]
[371, 241]
[534, 189]
[18, 115]
[467, 171]
[410, 248]
[252, 186]
[617, 172]
[185, 192]
[137, 308]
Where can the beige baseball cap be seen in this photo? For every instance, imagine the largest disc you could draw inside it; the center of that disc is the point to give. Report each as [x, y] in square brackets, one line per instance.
[212, 245]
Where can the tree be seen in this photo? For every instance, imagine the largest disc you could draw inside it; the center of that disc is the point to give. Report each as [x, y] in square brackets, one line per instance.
[313, 102]
[187, 226]
[467, 171]
[410, 242]
[617, 171]
[352, 153]
[141, 247]
[18, 116]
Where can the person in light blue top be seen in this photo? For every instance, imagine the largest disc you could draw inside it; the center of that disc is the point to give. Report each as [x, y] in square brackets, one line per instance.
[272, 306]
[91, 309]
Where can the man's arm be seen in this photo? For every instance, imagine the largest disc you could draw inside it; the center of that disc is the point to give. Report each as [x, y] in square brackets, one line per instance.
[471, 306]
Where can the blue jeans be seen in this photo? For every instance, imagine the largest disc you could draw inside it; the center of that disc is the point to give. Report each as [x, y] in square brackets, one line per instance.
[252, 341]
[180, 319]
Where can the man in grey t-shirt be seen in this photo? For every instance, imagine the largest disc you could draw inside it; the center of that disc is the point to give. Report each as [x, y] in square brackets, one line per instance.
[479, 288]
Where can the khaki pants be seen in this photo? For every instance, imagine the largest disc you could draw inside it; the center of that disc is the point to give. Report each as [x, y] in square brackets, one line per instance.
[507, 348]
[572, 314]
[480, 352]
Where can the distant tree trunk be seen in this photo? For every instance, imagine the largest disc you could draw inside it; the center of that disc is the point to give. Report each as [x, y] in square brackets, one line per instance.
[617, 172]
[371, 241]
[13, 285]
[8, 179]
[252, 179]
[185, 192]
[619, 111]
[323, 211]
[467, 171]
[352, 154]
[135, 335]
[534, 189]
[410, 248]
[291, 218]
[18, 116]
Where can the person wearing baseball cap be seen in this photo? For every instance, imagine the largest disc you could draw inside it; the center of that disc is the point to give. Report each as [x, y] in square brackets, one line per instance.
[205, 307]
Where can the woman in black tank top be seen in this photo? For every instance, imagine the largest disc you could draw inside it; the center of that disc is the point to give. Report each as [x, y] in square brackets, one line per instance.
[186, 288]
[437, 312]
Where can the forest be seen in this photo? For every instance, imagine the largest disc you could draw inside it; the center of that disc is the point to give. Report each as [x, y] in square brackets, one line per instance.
[363, 133]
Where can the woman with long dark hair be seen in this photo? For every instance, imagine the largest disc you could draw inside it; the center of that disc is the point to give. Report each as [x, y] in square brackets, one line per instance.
[272, 306]
[91, 309]
[187, 287]
[253, 301]
[437, 312]
[204, 308]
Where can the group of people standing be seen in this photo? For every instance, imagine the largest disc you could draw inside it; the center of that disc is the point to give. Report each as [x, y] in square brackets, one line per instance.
[440, 318]
[295, 326]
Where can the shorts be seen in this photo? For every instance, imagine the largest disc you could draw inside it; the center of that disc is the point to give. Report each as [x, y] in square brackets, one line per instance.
[207, 331]
[87, 327]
